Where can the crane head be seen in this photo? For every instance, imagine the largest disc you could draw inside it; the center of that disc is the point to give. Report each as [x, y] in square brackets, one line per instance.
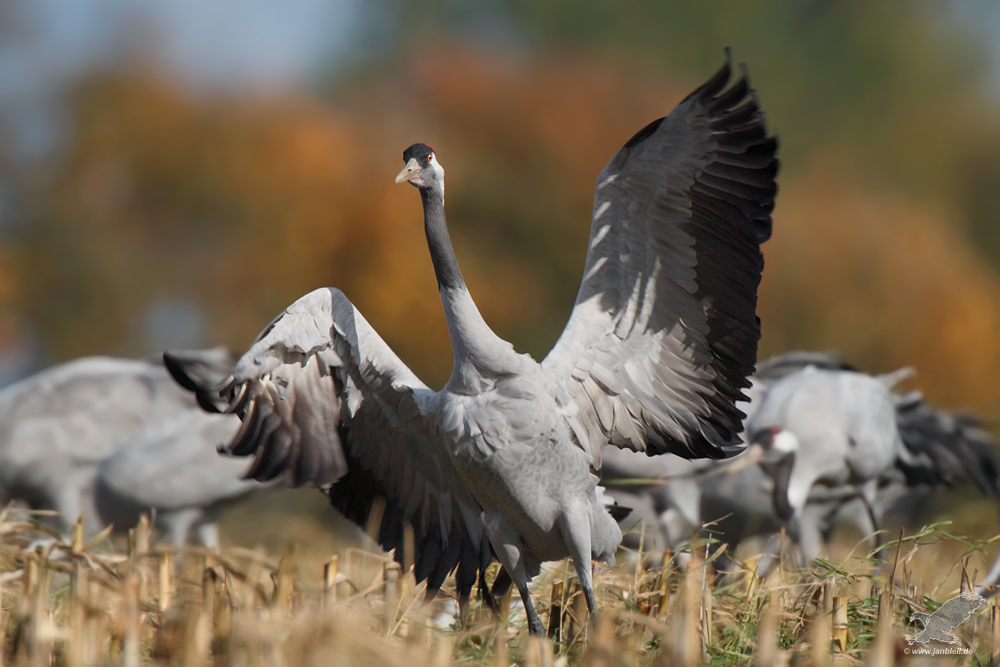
[422, 168]
[778, 461]
[775, 439]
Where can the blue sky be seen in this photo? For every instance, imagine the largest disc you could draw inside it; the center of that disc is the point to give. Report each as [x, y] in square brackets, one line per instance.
[210, 44]
[227, 44]
[224, 43]
[232, 42]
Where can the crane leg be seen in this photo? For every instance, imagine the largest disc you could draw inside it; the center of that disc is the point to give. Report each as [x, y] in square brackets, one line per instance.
[576, 533]
[986, 586]
[177, 524]
[72, 499]
[535, 626]
[876, 533]
[208, 534]
[511, 553]
[868, 497]
[805, 531]
[492, 594]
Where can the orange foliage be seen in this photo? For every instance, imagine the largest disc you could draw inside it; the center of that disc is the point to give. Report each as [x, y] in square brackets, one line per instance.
[566, 109]
[245, 205]
[242, 205]
[887, 280]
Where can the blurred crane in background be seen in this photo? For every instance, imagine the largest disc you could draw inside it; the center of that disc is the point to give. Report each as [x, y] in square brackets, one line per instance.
[127, 424]
[835, 428]
[736, 499]
[171, 469]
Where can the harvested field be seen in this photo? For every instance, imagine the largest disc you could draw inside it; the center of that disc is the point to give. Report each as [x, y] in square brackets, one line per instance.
[110, 603]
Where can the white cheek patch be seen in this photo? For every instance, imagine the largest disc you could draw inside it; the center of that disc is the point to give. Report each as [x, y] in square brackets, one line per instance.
[785, 442]
[440, 173]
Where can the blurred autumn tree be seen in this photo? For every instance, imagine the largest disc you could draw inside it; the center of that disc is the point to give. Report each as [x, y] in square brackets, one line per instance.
[886, 244]
[897, 85]
[243, 204]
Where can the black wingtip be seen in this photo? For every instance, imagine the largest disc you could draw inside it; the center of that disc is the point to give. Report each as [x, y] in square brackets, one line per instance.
[715, 84]
[619, 512]
[707, 91]
[189, 379]
[206, 404]
[176, 369]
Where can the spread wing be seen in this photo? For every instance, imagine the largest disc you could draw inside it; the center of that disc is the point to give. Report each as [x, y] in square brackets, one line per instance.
[326, 403]
[664, 331]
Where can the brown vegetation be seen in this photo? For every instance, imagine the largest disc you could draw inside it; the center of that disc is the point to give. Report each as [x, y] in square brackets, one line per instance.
[78, 604]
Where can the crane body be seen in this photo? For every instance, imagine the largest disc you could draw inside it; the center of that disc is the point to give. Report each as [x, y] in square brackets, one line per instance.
[502, 460]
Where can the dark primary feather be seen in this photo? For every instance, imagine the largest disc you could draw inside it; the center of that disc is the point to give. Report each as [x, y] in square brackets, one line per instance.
[785, 364]
[948, 448]
[670, 282]
[727, 256]
[208, 366]
[194, 369]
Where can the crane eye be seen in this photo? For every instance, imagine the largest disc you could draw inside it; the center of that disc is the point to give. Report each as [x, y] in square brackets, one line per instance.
[430, 157]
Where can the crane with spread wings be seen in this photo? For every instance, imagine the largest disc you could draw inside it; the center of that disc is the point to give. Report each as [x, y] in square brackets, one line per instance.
[501, 461]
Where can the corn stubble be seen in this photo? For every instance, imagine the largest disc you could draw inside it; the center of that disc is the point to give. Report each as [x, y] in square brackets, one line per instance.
[139, 603]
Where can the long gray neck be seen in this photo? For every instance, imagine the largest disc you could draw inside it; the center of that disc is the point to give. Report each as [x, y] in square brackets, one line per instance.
[478, 351]
[439, 243]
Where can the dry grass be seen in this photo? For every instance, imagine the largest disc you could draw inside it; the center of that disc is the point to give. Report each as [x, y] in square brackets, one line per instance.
[82, 604]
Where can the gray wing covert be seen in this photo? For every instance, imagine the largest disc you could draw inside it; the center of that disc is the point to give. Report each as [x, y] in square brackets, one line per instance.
[664, 331]
[326, 403]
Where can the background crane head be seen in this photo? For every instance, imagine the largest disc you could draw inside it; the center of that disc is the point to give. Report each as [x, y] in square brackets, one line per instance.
[778, 448]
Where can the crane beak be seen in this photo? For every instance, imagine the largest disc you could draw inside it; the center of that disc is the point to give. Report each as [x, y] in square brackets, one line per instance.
[753, 455]
[781, 472]
[410, 172]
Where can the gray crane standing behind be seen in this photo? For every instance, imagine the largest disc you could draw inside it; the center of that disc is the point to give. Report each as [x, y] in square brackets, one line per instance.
[940, 450]
[844, 432]
[835, 428]
[501, 461]
[171, 470]
[669, 498]
[127, 424]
